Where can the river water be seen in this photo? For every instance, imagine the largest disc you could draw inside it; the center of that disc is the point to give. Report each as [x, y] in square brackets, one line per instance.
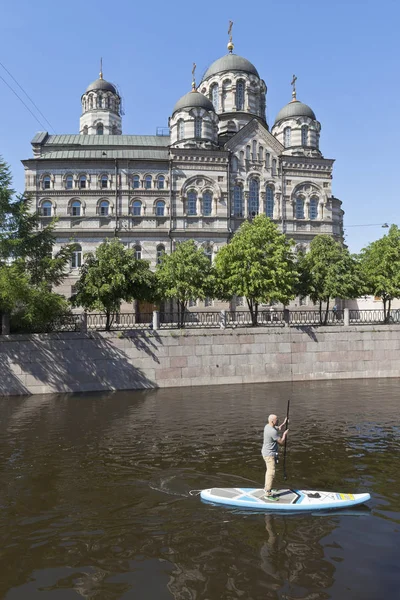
[95, 499]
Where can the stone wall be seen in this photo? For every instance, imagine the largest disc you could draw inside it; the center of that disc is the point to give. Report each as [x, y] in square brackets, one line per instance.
[72, 362]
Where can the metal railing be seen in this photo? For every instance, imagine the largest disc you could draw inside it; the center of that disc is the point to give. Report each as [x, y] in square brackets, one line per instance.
[359, 317]
[193, 320]
[264, 318]
[120, 321]
[313, 317]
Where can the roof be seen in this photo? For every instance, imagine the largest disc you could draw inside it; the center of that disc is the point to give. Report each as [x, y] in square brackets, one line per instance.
[193, 99]
[230, 62]
[295, 109]
[101, 84]
[88, 153]
[158, 141]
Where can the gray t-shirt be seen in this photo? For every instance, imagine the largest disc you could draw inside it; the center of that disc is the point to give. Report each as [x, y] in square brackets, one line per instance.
[270, 445]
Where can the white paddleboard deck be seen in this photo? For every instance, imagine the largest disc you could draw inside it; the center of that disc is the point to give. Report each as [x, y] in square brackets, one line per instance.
[293, 500]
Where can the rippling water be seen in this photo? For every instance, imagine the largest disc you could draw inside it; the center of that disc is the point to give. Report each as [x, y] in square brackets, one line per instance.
[95, 496]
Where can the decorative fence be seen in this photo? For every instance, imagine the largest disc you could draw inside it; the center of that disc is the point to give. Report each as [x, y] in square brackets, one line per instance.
[119, 322]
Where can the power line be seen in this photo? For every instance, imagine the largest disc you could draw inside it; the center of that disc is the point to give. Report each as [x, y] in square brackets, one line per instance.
[369, 225]
[26, 106]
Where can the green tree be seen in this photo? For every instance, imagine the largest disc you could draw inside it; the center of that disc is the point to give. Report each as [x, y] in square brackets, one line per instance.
[258, 263]
[380, 266]
[112, 275]
[328, 271]
[185, 274]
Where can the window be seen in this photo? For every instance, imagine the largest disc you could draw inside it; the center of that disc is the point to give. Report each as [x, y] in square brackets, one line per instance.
[208, 253]
[269, 202]
[104, 182]
[69, 182]
[299, 208]
[274, 166]
[253, 198]
[181, 129]
[287, 134]
[91, 102]
[161, 182]
[214, 96]
[160, 253]
[76, 209]
[207, 204]
[100, 129]
[104, 208]
[192, 302]
[100, 102]
[137, 208]
[138, 252]
[247, 152]
[239, 300]
[235, 164]
[261, 154]
[135, 181]
[267, 160]
[238, 208]
[147, 182]
[240, 95]
[304, 135]
[192, 203]
[241, 157]
[76, 259]
[198, 125]
[46, 182]
[313, 208]
[82, 182]
[160, 208]
[46, 209]
[85, 130]
[254, 157]
[208, 301]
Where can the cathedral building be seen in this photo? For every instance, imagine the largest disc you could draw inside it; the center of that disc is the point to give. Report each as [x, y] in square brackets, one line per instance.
[220, 164]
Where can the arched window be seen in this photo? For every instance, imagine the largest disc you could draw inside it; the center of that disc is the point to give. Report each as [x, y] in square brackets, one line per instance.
[314, 208]
[104, 208]
[76, 259]
[240, 95]
[287, 134]
[46, 209]
[135, 181]
[90, 101]
[99, 129]
[108, 102]
[69, 182]
[160, 208]
[253, 197]
[274, 166]
[181, 129]
[198, 126]
[241, 157]
[76, 208]
[147, 182]
[138, 252]
[247, 152]
[299, 208]
[207, 204]
[214, 96]
[46, 182]
[160, 253]
[136, 208]
[208, 252]
[254, 152]
[192, 203]
[238, 208]
[267, 160]
[82, 182]
[104, 182]
[114, 130]
[304, 135]
[85, 130]
[235, 164]
[160, 182]
[261, 154]
[269, 202]
[100, 101]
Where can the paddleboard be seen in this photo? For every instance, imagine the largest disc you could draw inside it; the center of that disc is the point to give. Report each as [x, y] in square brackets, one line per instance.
[288, 499]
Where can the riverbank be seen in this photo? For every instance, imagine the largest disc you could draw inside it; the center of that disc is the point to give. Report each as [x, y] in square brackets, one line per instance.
[80, 362]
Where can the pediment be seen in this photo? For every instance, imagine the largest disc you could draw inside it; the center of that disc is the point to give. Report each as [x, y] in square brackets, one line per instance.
[254, 129]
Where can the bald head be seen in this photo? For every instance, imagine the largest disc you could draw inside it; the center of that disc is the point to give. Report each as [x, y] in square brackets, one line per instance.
[272, 420]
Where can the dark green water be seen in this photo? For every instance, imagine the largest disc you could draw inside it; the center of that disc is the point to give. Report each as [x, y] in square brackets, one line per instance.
[95, 496]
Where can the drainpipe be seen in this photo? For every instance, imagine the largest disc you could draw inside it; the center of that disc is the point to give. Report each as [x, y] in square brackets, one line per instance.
[228, 175]
[116, 198]
[170, 205]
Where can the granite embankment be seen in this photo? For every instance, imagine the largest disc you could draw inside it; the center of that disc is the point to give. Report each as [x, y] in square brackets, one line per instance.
[80, 362]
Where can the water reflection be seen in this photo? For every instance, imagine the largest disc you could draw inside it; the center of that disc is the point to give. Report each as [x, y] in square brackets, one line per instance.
[95, 493]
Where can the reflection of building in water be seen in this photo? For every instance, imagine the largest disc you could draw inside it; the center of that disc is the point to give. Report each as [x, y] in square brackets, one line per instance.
[293, 554]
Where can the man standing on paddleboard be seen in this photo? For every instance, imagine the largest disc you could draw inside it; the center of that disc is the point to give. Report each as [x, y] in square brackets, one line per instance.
[269, 452]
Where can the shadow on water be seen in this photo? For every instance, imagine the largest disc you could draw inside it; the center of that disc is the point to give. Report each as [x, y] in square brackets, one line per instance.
[90, 363]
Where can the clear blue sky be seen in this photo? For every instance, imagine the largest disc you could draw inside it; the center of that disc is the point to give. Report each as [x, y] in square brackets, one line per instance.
[345, 54]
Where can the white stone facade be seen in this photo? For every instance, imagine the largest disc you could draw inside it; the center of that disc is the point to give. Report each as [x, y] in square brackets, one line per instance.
[220, 165]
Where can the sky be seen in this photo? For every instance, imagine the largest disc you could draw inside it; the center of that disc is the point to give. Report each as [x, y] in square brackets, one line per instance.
[345, 54]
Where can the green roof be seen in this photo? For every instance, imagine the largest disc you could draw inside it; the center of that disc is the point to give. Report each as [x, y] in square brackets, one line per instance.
[138, 153]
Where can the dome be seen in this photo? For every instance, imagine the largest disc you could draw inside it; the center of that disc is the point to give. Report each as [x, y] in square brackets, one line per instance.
[295, 109]
[193, 99]
[101, 85]
[230, 62]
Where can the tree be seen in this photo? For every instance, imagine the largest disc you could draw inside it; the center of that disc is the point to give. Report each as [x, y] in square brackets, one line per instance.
[185, 274]
[112, 275]
[258, 263]
[328, 271]
[28, 267]
[380, 266]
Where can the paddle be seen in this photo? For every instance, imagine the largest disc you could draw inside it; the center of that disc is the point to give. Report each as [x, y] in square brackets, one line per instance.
[284, 452]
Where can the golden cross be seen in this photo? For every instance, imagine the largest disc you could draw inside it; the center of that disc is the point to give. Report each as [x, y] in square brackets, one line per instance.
[193, 77]
[293, 83]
